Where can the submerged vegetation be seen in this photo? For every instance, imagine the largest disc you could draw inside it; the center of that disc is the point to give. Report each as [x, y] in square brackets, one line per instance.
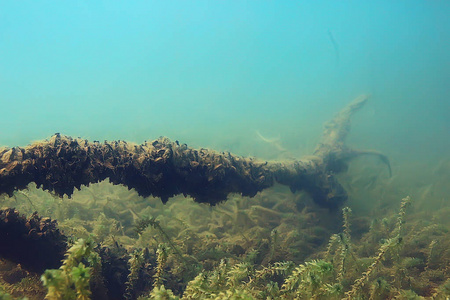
[277, 245]
[72, 280]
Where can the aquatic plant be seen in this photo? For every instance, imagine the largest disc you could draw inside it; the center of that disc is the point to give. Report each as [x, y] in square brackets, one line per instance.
[443, 291]
[72, 279]
[136, 261]
[388, 245]
[143, 223]
[160, 293]
[5, 296]
[345, 242]
[104, 228]
[260, 257]
[309, 279]
[161, 261]
[312, 279]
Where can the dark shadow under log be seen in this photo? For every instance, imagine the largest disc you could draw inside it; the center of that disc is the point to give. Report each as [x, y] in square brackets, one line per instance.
[163, 168]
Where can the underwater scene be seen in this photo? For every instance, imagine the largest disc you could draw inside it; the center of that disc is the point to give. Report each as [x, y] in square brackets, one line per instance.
[225, 149]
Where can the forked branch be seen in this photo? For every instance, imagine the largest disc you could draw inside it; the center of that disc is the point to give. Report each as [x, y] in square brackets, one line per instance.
[163, 168]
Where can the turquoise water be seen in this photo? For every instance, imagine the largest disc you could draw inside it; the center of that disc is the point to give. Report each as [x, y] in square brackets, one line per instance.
[257, 78]
[214, 73]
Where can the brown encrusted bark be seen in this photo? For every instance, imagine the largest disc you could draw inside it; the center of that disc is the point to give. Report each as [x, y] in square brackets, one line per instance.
[36, 243]
[163, 168]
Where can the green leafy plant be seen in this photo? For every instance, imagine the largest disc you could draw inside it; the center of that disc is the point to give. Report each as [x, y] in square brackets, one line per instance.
[72, 279]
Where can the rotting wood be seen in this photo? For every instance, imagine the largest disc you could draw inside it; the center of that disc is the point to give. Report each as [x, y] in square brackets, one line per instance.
[163, 168]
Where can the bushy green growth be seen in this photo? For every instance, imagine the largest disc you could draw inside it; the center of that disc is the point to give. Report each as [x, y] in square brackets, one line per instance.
[103, 228]
[241, 281]
[340, 244]
[316, 279]
[380, 258]
[161, 261]
[234, 294]
[389, 245]
[443, 291]
[243, 278]
[273, 243]
[309, 279]
[380, 289]
[277, 269]
[5, 296]
[209, 285]
[408, 295]
[136, 261]
[142, 224]
[160, 293]
[72, 279]
[224, 282]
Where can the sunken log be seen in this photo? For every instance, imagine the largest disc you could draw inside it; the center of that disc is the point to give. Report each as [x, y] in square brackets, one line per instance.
[163, 168]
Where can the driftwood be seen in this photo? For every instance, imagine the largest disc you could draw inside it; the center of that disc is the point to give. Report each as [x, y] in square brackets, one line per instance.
[163, 168]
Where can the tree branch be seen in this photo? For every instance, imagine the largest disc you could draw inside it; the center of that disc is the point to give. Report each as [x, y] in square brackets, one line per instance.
[163, 168]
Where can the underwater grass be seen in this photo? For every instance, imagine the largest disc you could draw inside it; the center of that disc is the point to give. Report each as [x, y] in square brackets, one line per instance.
[276, 245]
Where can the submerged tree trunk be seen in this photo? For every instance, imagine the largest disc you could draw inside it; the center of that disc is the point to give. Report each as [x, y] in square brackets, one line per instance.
[163, 168]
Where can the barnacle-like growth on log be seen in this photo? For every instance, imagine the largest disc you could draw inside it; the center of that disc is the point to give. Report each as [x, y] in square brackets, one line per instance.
[163, 168]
